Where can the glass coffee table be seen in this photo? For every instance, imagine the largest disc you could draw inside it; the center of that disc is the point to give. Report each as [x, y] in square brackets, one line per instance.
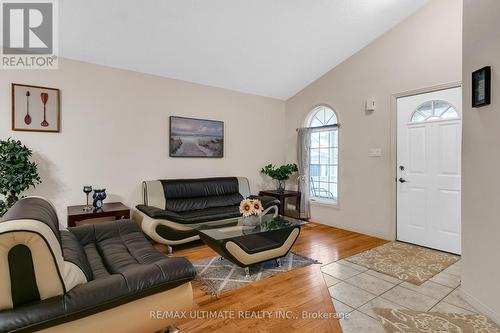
[246, 245]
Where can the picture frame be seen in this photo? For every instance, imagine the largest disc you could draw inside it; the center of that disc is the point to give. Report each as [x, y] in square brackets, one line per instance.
[194, 137]
[481, 87]
[35, 108]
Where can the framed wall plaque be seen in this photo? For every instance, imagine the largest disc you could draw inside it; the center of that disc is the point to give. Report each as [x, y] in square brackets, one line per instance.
[481, 87]
[35, 108]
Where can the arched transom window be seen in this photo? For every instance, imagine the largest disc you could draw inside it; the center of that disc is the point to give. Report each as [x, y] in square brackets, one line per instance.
[323, 154]
[434, 110]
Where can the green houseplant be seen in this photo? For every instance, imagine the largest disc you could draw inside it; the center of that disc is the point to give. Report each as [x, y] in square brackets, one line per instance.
[17, 172]
[281, 174]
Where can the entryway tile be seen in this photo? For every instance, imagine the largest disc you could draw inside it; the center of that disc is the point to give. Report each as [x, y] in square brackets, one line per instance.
[378, 302]
[341, 307]
[330, 280]
[449, 308]
[446, 279]
[455, 269]
[370, 283]
[410, 299]
[429, 288]
[350, 295]
[383, 276]
[358, 322]
[352, 265]
[455, 299]
[339, 271]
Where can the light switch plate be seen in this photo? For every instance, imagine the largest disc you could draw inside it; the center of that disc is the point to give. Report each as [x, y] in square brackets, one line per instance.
[370, 104]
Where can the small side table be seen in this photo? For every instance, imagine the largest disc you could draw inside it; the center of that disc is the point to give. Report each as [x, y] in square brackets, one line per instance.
[281, 196]
[113, 209]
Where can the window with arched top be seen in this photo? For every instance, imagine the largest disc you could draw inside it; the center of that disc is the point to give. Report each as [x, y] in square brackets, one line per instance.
[323, 153]
[434, 110]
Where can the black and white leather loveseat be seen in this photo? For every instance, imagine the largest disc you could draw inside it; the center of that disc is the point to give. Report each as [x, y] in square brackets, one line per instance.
[175, 209]
[104, 277]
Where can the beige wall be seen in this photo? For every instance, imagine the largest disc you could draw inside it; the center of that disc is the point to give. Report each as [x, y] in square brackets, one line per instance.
[481, 161]
[423, 51]
[115, 131]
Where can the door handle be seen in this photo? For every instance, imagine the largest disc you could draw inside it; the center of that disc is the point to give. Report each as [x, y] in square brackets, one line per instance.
[401, 180]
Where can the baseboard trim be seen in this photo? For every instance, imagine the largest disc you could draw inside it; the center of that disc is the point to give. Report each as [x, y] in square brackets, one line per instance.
[480, 306]
[360, 231]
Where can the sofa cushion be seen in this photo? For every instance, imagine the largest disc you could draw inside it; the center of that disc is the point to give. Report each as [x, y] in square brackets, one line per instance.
[192, 204]
[191, 217]
[119, 247]
[196, 188]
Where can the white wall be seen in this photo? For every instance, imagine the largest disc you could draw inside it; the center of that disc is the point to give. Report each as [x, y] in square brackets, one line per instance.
[481, 161]
[115, 131]
[423, 51]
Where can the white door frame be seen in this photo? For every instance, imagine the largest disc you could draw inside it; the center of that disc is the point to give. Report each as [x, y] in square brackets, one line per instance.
[393, 153]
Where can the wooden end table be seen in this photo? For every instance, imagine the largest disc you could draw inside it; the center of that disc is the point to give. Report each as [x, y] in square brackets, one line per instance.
[281, 196]
[112, 209]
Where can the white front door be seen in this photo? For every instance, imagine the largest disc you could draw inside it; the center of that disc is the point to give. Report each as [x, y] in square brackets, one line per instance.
[429, 138]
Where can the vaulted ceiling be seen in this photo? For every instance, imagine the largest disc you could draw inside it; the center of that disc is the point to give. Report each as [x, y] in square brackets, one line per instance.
[266, 47]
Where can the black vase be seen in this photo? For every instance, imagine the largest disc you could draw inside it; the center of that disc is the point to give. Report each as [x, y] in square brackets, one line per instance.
[98, 196]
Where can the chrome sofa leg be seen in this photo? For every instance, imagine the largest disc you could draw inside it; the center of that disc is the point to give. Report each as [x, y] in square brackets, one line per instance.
[278, 262]
[170, 251]
[247, 272]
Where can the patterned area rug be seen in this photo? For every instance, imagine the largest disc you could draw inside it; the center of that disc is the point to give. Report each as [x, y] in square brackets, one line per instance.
[219, 276]
[408, 321]
[406, 262]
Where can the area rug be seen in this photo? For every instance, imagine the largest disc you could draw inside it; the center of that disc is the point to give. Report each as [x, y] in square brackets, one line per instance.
[409, 321]
[406, 262]
[219, 276]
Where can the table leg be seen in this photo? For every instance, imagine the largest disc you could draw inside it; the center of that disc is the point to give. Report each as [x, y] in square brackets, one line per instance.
[298, 203]
[282, 206]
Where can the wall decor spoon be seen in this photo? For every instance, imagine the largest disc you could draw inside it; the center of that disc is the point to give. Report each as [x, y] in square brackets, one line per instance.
[27, 117]
[45, 98]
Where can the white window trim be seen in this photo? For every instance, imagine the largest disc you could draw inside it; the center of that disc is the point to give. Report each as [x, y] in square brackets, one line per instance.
[319, 201]
[325, 202]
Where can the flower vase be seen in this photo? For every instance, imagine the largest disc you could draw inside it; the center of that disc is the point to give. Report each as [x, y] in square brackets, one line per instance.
[251, 220]
[281, 186]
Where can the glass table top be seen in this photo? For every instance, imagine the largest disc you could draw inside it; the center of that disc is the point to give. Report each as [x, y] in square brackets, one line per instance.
[268, 223]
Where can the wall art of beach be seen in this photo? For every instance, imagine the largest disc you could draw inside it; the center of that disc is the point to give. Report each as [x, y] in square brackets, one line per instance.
[196, 137]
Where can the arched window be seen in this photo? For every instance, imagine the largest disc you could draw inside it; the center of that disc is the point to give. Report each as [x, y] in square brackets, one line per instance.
[323, 154]
[434, 110]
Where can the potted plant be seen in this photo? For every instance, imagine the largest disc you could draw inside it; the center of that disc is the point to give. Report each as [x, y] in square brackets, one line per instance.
[17, 172]
[281, 174]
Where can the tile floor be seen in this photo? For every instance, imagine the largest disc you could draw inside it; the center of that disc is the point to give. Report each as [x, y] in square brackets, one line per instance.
[356, 290]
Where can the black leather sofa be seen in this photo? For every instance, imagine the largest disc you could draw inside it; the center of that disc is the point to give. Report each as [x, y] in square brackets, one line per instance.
[173, 210]
[104, 277]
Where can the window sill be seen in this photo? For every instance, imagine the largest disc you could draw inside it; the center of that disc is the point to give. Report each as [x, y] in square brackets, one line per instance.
[323, 202]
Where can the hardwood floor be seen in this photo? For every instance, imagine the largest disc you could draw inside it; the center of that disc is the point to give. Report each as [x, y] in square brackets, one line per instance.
[290, 293]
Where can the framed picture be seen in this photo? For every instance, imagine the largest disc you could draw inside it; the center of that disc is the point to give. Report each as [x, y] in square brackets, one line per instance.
[481, 87]
[35, 108]
[191, 137]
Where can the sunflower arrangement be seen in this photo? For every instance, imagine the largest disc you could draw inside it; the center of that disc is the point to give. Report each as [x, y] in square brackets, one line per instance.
[249, 207]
